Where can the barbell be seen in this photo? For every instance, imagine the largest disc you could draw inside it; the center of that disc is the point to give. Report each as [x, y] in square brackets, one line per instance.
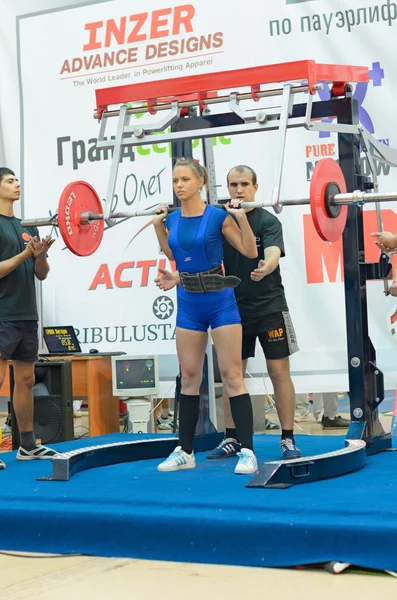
[81, 221]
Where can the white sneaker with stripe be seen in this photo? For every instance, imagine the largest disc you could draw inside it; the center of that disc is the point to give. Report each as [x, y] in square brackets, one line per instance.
[177, 460]
[38, 452]
[247, 462]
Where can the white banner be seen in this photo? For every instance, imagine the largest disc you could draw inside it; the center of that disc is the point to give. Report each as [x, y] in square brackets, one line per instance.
[110, 297]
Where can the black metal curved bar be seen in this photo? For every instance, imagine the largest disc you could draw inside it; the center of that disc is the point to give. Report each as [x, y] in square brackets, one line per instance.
[69, 463]
[284, 474]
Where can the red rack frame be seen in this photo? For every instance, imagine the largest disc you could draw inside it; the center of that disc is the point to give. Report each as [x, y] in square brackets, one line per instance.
[199, 85]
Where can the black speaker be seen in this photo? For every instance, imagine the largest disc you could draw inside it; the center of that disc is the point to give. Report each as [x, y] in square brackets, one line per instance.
[52, 403]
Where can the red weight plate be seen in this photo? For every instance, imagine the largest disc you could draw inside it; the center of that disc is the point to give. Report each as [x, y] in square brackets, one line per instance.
[328, 228]
[81, 239]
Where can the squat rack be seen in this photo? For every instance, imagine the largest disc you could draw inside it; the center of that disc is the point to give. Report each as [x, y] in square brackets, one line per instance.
[184, 107]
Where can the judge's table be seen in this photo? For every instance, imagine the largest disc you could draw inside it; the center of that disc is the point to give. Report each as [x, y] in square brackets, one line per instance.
[91, 379]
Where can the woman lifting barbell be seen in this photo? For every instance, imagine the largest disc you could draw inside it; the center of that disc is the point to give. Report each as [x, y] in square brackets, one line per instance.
[193, 237]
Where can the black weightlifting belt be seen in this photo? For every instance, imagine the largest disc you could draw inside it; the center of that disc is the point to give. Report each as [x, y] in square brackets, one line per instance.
[207, 281]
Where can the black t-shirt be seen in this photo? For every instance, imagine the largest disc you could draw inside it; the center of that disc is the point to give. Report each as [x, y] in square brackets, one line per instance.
[256, 299]
[17, 289]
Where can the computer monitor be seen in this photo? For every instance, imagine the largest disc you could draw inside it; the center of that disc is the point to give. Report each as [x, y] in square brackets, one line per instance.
[135, 376]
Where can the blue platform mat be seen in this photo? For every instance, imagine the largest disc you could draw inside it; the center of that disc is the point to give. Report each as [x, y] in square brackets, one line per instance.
[203, 515]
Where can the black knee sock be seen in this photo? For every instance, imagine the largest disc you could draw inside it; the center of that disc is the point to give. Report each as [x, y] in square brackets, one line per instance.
[231, 433]
[243, 418]
[189, 408]
[27, 440]
[287, 433]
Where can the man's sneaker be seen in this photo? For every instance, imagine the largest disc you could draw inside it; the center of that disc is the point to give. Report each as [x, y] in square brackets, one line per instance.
[2, 465]
[228, 447]
[271, 425]
[5, 429]
[305, 417]
[178, 459]
[38, 452]
[336, 423]
[289, 449]
[247, 462]
[165, 423]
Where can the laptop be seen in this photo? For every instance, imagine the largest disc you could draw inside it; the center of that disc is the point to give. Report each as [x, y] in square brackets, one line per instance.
[62, 340]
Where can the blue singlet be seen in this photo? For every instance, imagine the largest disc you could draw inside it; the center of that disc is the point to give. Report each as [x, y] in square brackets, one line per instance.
[197, 245]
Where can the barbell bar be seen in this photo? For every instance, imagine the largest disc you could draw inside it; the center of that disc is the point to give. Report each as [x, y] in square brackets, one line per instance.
[81, 221]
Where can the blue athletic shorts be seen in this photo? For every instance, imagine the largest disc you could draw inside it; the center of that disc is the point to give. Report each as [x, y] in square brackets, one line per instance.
[198, 312]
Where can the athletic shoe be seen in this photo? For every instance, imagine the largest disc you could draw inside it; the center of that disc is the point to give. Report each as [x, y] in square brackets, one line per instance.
[161, 419]
[169, 426]
[227, 448]
[289, 449]
[165, 423]
[271, 425]
[38, 452]
[5, 429]
[336, 423]
[178, 459]
[247, 462]
[305, 417]
[2, 465]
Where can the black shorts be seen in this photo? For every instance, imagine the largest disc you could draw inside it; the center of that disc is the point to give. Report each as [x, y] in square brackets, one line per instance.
[19, 340]
[275, 333]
